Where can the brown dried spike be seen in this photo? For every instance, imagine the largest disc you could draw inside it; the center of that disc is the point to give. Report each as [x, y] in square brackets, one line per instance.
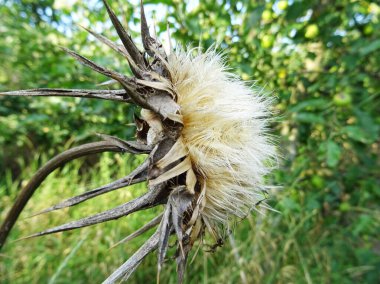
[131, 264]
[152, 223]
[112, 95]
[129, 84]
[136, 176]
[145, 201]
[134, 147]
[147, 40]
[119, 49]
[123, 80]
[164, 233]
[126, 40]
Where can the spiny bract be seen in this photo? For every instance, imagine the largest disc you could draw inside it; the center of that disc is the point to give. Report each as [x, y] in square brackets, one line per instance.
[204, 131]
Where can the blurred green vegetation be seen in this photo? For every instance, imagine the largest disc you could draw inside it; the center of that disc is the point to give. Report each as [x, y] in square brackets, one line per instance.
[320, 59]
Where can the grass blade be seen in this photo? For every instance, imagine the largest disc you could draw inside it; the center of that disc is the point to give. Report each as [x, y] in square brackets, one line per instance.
[53, 279]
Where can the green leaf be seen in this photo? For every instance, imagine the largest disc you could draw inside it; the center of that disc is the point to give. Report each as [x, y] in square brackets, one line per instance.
[307, 117]
[373, 46]
[311, 104]
[360, 134]
[333, 154]
[288, 204]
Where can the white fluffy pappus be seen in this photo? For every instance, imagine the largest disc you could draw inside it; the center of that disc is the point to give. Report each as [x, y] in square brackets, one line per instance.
[225, 133]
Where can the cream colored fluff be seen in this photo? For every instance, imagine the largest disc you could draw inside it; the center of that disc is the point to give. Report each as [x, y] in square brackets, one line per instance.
[224, 131]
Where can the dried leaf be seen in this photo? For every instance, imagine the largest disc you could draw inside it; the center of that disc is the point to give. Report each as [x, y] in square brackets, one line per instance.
[182, 167]
[177, 152]
[176, 117]
[163, 105]
[191, 180]
[156, 85]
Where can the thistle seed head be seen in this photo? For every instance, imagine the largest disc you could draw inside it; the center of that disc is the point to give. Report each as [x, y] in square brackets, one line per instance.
[205, 133]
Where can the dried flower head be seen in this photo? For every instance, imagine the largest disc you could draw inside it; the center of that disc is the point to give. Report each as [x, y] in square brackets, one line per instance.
[204, 131]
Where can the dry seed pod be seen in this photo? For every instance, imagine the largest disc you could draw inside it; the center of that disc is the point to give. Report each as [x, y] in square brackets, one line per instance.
[204, 131]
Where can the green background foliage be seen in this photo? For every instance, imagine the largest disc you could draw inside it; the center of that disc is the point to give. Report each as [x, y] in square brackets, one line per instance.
[320, 59]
